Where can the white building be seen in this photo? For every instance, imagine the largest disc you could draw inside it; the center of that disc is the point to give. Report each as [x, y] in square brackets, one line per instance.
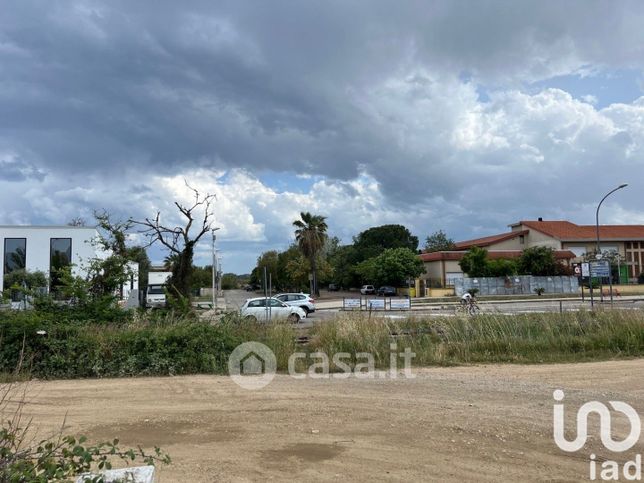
[41, 248]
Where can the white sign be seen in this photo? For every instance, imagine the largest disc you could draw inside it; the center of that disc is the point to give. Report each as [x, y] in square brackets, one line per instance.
[400, 304]
[352, 303]
[585, 269]
[375, 304]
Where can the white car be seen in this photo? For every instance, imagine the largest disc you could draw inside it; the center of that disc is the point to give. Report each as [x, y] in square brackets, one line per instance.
[269, 308]
[368, 290]
[302, 300]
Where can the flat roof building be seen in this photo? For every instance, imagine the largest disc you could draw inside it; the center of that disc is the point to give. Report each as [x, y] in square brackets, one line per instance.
[45, 248]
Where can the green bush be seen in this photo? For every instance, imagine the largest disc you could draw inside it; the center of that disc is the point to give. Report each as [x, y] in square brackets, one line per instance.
[71, 348]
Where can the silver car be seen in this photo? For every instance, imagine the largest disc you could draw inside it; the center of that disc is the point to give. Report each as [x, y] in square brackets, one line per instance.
[267, 308]
[302, 300]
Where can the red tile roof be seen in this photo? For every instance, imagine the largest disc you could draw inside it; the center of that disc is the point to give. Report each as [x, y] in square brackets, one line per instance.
[489, 240]
[567, 231]
[492, 255]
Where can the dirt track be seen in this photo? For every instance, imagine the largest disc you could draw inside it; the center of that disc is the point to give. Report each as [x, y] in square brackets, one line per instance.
[486, 423]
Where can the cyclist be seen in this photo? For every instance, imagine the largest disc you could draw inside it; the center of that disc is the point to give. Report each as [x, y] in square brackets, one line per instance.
[469, 304]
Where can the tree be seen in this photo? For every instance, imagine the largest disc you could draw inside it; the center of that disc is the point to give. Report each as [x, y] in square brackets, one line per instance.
[394, 266]
[475, 263]
[268, 260]
[501, 268]
[538, 261]
[179, 240]
[311, 235]
[343, 262]
[438, 241]
[370, 243]
[229, 281]
[107, 275]
[76, 221]
[20, 278]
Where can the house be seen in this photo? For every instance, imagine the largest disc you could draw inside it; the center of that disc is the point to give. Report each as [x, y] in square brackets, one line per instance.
[570, 242]
[45, 248]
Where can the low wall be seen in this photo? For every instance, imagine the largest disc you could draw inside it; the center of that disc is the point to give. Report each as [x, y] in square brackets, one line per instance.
[516, 285]
[439, 292]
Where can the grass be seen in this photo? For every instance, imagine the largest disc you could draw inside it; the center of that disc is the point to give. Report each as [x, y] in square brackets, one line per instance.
[168, 345]
[526, 338]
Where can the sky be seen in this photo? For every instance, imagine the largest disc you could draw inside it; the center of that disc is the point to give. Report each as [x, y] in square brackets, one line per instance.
[455, 115]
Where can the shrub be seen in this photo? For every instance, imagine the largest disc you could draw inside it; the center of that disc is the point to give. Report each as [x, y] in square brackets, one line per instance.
[58, 458]
[72, 348]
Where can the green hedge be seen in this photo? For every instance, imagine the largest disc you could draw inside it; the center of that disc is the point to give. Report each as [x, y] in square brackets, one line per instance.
[71, 349]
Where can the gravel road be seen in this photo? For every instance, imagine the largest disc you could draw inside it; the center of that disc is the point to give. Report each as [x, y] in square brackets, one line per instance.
[481, 423]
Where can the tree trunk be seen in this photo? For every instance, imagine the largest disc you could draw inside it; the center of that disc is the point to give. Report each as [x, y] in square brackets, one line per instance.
[316, 291]
[182, 273]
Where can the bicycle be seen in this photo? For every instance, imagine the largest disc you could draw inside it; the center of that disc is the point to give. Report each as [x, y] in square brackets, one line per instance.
[470, 308]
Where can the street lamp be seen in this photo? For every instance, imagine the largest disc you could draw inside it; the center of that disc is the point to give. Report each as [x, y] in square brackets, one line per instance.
[214, 269]
[599, 252]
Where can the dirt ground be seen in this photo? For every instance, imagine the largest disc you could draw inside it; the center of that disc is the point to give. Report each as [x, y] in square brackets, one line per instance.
[483, 423]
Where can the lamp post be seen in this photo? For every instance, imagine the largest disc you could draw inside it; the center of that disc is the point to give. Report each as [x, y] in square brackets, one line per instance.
[214, 270]
[599, 252]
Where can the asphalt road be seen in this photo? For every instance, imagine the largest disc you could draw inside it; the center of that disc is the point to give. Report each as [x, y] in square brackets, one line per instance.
[329, 308]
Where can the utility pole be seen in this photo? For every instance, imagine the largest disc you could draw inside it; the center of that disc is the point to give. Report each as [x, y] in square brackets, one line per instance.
[214, 270]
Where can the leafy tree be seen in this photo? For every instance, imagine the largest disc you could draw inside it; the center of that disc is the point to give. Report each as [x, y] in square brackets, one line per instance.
[229, 281]
[270, 261]
[475, 262]
[22, 277]
[438, 241]
[139, 255]
[201, 277]
[370, 243]
[501, 268]
[181, 240]
[343, 262]
[538, 261]
[311, 234]
[394, 266]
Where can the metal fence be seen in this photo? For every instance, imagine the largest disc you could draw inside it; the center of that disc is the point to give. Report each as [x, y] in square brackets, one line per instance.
[516, 285]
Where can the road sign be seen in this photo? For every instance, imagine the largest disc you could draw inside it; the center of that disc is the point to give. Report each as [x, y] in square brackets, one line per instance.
[577, 270]
[399, 304]
[375, 304]
[601, 268]
[352, 303]
[585, 269]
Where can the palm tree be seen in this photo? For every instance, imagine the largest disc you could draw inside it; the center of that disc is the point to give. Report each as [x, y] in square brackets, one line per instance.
[310, 235]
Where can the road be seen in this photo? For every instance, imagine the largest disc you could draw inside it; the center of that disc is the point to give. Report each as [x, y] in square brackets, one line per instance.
[328, 308]
[481, 423]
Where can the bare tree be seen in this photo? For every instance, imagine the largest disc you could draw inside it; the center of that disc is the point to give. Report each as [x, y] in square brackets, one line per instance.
[77, 221]
[178, 239]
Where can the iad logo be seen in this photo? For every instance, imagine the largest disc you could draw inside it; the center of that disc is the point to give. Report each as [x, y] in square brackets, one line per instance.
[252, 365]
[632, 470]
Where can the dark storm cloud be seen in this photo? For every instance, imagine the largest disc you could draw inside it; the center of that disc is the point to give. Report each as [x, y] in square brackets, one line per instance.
[18, 170]
[102, 88]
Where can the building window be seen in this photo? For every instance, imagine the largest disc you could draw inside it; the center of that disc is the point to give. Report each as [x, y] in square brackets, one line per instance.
[522, 239]
[15, 254]
[60, 256]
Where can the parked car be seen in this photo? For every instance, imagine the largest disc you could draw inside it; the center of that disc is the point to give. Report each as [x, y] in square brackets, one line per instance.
[387, 291]
[251, 287]
[333, 287]
[302, 300]
[368, 290]
[263, 308]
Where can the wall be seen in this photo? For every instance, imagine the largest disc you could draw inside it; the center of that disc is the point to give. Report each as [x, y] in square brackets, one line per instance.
[38, 245]
[517, 285]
